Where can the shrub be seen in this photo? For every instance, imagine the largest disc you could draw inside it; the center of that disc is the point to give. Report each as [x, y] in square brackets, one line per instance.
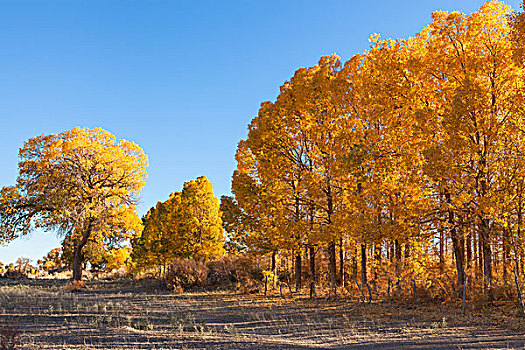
[15, 274]
[9, 338]
[237, 272]
[75, 286]
[186, 273]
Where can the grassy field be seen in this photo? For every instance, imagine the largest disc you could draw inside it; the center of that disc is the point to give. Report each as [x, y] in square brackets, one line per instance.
[136, 315]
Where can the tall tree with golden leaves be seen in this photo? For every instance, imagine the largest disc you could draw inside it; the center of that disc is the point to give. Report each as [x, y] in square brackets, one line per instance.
[83, 183]
[201, 223]
[478, 120]
[187, 225]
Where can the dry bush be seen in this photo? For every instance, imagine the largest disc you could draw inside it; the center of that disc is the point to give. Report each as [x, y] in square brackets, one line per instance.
[501, 291]
[228, 272]
[75, 286]
[178, 290]
[115, 274]
[186, 273]
[61, 275]
[240, 272]
[9, 337]
[14, 274]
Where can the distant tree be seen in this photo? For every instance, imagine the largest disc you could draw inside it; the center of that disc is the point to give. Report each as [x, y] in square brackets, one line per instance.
[116, 258]
[23, 265]
[233, 222]
[201, 222]
[187, 225]
[151, 247]
[52, 260]
[82, 183]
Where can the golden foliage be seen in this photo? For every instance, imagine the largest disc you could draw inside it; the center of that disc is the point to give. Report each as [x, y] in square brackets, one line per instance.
[187, 225]
[413, 137]
[82, 183]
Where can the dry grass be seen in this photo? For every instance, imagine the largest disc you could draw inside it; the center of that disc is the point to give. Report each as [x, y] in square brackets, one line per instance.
[133, 315]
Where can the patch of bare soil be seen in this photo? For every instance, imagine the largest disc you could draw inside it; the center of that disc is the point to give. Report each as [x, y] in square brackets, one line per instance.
[133, 315]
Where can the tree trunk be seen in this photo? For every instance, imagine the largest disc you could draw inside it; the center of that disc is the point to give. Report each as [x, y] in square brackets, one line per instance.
[458, 246]
[518, 228]
[459, 257]
[378, 252]
[333, 268]
[506, 255]
[480, 255]
[397, 250]
[78, 255]
[407, 253]
[487, 259]
[341, 263]
[312, 272]
[298, 263]
[441, 250]
[274, 269]
[469, 249]
[485, 226]
[354, 263]
[475, 251]
[363, 265]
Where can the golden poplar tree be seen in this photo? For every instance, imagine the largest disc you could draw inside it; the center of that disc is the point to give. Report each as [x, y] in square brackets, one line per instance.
[83, 183]
[477, 121]
[413, 144]
[187, 225]
[201, 224]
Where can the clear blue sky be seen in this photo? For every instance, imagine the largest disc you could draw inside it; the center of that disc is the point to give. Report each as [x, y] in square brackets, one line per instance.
[180, 78]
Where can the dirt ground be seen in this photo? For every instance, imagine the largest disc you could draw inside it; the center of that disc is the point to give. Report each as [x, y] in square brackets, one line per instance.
[136, 315]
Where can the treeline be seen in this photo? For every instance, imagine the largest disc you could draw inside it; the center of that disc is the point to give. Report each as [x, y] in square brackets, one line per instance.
[395, 162]
[403, 165]
[187, 225]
